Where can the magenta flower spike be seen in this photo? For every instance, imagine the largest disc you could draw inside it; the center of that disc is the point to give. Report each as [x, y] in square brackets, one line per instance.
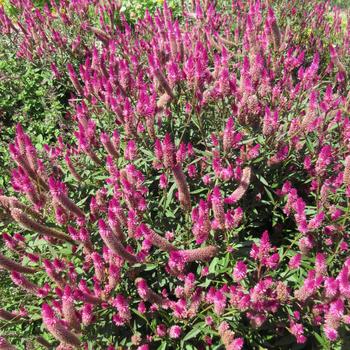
[30, 224]
[5, 345]
[58, 191]
[148, 294]
[11, 265]
[56, 327]
[181, 183]
[114, 244]
[68, 310]
[239, 192]
[9, 316]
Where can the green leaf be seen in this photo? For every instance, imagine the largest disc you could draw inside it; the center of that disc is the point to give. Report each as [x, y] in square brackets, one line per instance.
[191, 334]
[321, 340]
[262, 180]
[162, 346]
[169, 195]
[213, 264]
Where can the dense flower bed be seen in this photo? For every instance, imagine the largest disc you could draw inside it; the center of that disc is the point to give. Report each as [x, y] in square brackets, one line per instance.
[197, 196]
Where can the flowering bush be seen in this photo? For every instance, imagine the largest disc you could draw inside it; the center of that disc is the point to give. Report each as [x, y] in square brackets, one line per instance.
[198, 197]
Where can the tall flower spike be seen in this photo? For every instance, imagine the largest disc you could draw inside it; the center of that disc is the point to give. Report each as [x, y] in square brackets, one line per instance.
[28, 223]
[8, 316]
[74, 79]
[163, 82]
[182, 186]
[25, 284]
[199, 254]
[228, 337]
[158, 150]
[228, 135]
[108, 145]
[72, 168]
[239, 192]
[122, 304]
[87, 314]
[56, 327]
[11, 265]
[167, 151]
[148, 294]
[115, 225]
[276, 34]
[87, 298]
[68, 309]
[218, 206]
[346, 176]
[114, 244]
[13, 202]
[5, 345]
[23, 163]
[179, 258]
[53, 274]
[20, 138]
[202, 225]
[62, 198]
[98, 266]
[157, 240]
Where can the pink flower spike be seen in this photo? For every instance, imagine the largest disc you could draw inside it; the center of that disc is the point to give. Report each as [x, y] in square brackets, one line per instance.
[295, 261]
[175, 332]
[240, 271]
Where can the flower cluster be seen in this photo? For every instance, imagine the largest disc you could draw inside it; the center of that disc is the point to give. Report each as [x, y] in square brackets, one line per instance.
[204, 184]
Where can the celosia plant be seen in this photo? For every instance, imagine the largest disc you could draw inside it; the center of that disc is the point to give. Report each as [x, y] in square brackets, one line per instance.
[202, 198]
